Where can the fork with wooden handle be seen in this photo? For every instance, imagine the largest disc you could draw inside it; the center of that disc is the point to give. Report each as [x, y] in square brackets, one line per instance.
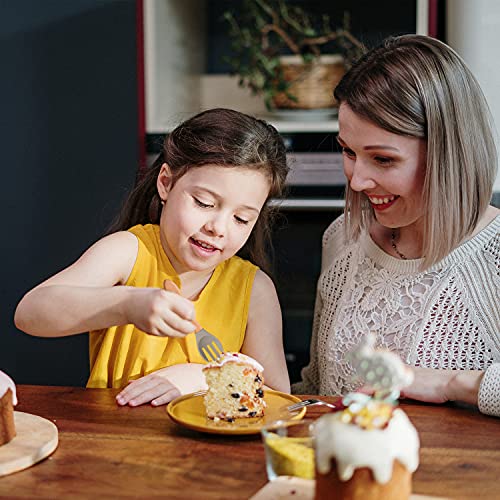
[209, 346]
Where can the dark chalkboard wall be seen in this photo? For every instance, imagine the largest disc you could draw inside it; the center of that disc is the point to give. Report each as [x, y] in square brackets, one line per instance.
[69, 152]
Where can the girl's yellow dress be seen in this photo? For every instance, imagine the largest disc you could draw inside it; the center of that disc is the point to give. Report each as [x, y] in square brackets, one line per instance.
[122, 353]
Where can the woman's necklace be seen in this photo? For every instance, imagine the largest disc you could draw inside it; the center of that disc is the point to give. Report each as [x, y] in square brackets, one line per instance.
[393, 243]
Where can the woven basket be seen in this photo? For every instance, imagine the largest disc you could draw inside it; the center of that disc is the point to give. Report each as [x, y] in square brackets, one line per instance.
[312, 84]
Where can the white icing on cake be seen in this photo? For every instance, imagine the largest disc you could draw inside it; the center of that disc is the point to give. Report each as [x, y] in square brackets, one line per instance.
[7, 383]
[353, 447]
[235, 357]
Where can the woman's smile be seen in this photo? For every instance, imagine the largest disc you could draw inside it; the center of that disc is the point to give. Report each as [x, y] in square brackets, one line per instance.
[381, 203]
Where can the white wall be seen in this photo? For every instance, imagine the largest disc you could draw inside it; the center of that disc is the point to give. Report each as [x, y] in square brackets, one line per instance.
[174, 49]
[473, 30]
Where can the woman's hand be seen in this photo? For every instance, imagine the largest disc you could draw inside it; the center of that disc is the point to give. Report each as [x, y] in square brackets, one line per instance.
[163, 385]
[160, 312]
[438, 386]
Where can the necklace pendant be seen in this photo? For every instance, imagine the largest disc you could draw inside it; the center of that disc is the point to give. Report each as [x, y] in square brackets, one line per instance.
[393, 244]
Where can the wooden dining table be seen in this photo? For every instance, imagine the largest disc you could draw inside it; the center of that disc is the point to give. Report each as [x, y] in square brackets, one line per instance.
[108, 451]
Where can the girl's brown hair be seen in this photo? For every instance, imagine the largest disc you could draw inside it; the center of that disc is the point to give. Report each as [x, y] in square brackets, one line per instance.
[221, 137]
[417, 86]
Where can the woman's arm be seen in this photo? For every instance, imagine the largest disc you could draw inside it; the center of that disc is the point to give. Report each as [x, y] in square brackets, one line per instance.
[489, 391]
[438, 386]
[264, 334]
[85, 296]
[468, 386]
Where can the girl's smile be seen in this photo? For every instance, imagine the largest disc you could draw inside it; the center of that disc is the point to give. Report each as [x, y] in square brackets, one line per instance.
[203, 247]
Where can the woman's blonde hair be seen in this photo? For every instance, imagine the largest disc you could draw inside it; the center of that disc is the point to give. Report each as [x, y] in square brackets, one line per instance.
[417, 86]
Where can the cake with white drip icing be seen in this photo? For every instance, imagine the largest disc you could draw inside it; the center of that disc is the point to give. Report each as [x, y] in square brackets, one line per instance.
[370, 449]
[7, 401]
[354, 462]
[235, 387]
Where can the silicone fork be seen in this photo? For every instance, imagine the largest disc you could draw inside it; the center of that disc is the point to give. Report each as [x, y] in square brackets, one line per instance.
[209, 346]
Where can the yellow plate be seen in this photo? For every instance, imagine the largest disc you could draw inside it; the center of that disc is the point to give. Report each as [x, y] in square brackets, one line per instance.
[189, 411]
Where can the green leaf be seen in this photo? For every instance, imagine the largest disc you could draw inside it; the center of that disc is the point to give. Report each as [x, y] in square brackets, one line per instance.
[308, 58]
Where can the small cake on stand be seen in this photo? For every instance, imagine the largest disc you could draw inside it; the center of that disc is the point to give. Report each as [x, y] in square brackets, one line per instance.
[8, 398]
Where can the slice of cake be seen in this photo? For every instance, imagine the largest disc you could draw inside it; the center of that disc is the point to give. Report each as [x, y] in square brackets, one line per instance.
[367, 451]
[235, 387]
[7, 401]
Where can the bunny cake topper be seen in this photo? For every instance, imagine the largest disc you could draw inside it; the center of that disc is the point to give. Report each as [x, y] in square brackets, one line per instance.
[381, 369]
[386, 374]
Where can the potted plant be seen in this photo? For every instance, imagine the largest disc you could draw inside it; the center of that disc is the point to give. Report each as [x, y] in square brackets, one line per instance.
[279, 53]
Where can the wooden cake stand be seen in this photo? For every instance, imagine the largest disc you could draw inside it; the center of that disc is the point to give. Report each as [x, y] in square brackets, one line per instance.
[36, 438]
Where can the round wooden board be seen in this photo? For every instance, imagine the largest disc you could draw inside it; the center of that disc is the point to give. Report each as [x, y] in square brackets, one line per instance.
[36, 439]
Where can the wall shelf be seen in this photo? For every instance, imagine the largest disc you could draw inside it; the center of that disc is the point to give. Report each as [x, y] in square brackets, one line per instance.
[177, 84]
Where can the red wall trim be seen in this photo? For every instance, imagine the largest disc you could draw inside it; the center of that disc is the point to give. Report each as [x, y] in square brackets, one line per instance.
[141, 97]
[433, 18]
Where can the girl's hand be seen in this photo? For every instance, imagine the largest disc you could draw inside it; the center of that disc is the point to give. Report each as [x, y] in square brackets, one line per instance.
[164, 385]
[160, 312]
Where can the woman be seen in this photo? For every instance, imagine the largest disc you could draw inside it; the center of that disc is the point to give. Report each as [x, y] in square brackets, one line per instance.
[415, 257]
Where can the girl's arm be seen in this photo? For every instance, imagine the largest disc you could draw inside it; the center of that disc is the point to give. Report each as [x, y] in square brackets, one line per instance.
[86, 296]
[163, 385]
[263, 339]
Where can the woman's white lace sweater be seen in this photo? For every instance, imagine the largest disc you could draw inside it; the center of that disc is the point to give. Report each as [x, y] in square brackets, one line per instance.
[447, 317]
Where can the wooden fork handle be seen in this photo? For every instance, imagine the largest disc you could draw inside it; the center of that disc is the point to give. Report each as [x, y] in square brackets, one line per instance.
[197, 325]
[170, 286]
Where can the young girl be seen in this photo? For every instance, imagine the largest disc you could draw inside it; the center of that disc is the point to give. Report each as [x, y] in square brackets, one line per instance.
[201, 202]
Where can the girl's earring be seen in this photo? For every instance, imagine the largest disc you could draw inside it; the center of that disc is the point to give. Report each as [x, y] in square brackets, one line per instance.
[162, 202]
